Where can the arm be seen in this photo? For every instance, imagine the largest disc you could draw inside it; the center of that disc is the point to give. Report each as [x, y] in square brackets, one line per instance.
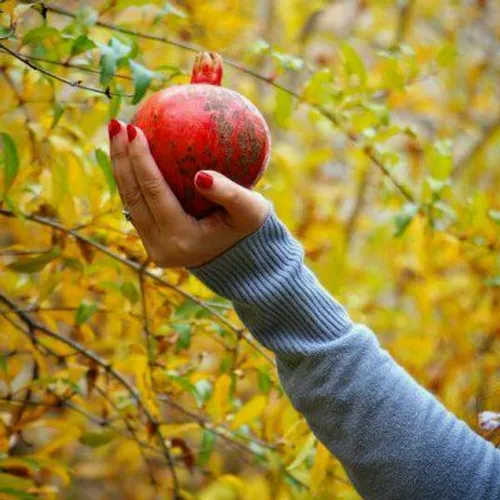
[392, 436]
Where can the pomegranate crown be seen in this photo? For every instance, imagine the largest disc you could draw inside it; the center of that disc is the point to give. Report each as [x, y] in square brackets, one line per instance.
[207, 68]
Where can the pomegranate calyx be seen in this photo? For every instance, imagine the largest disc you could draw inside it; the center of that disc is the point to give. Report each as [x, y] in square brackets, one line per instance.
[207, 68]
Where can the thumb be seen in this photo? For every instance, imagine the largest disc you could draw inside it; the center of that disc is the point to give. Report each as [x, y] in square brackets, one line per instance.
[238, 201]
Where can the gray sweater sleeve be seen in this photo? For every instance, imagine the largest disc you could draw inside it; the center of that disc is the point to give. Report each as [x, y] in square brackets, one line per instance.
[395, 440]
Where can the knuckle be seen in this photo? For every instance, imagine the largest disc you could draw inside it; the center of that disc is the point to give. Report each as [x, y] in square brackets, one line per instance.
[152, 188]
[232, 196]
[132, 197]
[118, 155]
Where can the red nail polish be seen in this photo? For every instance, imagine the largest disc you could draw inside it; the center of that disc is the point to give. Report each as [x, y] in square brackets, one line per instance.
[204, 180]
[114, 128]
[131, 132]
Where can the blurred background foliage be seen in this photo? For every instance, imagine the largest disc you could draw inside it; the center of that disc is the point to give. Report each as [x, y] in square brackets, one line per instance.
[120, 380]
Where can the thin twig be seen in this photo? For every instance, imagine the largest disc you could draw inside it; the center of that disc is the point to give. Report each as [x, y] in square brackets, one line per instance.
[137, 267]
[35, 326]
[404, 190]
[72, 83]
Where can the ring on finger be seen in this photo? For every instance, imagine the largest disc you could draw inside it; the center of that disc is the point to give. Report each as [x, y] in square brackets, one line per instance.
[127, 215]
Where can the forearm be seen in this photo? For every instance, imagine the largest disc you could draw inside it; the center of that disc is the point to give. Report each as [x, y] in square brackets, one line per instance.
[393, 437]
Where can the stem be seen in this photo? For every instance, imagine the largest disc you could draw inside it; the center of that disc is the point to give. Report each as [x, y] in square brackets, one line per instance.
[48, 73]
[406, 193]
[35, 326]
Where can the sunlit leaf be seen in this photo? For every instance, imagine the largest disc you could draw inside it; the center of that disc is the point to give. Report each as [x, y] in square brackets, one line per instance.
[39, 34]
[249, 411]
[353, 63]
[303, 453]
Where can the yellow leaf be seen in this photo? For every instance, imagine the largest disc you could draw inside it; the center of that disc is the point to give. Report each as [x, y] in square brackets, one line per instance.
[218, 405]
[253, 409]
[303, 453]
[320, 467]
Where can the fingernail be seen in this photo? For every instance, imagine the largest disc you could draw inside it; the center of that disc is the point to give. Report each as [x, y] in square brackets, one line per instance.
[114, 128]
[204, 180]
[131, 132]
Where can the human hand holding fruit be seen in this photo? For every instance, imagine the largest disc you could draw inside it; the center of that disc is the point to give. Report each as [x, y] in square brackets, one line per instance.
[169, 165]
[172, 237]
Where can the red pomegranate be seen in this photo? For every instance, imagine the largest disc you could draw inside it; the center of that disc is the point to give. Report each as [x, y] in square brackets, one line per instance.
[203, 126]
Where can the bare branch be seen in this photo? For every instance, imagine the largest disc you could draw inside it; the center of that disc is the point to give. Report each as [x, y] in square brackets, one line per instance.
[35, 326]
[137, 267]
[72, 83]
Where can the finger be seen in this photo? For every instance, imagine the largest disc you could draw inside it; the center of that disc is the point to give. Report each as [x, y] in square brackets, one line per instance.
[128, 187]
[240, 203]
[160, 199]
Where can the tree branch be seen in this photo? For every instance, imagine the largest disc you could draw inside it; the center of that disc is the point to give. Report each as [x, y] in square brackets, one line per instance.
[137, 267]
[404, 190]
[35, 326]
[72, 83]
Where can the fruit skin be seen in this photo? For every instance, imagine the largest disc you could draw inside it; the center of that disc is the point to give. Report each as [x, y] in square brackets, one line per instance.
[203, 126]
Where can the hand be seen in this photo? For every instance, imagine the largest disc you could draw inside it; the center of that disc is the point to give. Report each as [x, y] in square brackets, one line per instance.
[172, 237]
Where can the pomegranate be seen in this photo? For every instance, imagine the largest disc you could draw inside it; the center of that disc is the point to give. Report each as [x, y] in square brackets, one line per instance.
[203, 126]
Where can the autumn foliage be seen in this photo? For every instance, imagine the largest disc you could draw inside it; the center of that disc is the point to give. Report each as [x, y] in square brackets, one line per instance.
[121, 380]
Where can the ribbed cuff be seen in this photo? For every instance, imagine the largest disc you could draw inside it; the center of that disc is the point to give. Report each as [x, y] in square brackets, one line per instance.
[277, 297]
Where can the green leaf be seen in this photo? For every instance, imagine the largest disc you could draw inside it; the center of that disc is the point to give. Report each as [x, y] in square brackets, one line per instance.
[97, 439]
[353, 64]
[105, 164]
[287, 61]
[58, 112]
[84, 313]
[284, 108]
[5, 32]
[3, 363]
[188, 309]
[130, 292]
[114, 104]
[184, 331]
[10, 159]
[111, 55]
[38, 34]
[142, 80]
[494, 281]
[86, 16]
[404, 218]
[494, 215]
[206, 447]
[82, 44]
[34, 264]
[264, 381]
[260, 47]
